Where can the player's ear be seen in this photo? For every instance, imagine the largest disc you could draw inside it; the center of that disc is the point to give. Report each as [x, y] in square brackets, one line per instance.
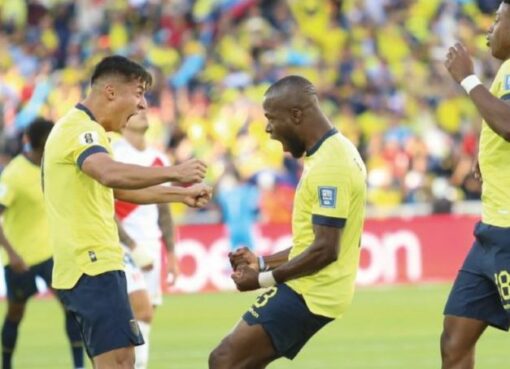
[296, 115]
[109, 90]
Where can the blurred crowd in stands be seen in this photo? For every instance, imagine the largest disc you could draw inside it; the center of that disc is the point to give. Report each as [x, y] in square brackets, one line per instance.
[377, 64]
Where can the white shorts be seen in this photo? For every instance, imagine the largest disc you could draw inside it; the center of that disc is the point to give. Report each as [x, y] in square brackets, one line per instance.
[138, 279]
[153, 277]
[134, 275]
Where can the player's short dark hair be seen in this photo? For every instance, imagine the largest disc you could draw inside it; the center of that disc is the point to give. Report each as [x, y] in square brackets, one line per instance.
[121, 66]
[292, 82]
[38, 131]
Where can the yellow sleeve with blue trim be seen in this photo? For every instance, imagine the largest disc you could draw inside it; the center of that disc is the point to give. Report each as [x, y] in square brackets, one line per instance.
[330, 189]
[86, 142]
[503, 81]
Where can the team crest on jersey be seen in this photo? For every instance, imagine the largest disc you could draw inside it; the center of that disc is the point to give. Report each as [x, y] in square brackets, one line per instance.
[92, 256]
[327, 197]
[89, 138]
[507, 82]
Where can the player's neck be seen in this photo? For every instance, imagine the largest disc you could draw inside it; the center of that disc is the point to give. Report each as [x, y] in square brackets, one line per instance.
[317, 132]
[139, 146]
[35, 157]
[95, 107]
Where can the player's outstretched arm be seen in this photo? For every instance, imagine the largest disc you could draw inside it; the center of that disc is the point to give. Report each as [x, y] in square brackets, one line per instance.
[323, 251]
[114, 174]
[194, 196]
[277, 259]
[494, 111]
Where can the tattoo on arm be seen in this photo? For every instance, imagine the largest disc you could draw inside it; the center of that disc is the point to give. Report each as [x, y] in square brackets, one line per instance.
[166, 225]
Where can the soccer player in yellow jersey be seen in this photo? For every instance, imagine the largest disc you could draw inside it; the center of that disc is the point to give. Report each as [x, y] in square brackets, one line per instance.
[80, 181]
[24, 235]
[312, 282]
[480, 296]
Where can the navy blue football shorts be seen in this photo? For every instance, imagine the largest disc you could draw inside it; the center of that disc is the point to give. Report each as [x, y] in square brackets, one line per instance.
[100, 305]
[285, 317]
[482, 288]
[21, 286]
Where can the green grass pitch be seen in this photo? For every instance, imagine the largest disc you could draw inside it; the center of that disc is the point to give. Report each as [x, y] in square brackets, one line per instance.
[386, 327]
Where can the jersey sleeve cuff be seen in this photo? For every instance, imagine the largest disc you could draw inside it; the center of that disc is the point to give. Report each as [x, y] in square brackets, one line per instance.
[328, 221]
[89, 151]
[505, 97]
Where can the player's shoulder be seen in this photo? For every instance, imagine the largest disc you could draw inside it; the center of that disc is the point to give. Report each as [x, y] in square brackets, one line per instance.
[336, 165]
[76, 128]
[78, 120]
[14, 167]
[505, 66]
[332, 153]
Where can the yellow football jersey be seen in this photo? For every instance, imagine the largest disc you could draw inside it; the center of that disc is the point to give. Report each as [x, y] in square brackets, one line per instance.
[493, 153]
[80, 209]
[331, 192]
[24, 219]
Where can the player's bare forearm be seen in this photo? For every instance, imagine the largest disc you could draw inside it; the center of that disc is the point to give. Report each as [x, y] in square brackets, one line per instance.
[323, 251]
[124, 236]
[114, 174]
[151, 195]
[496, 112]
[309, 262]
[277, 259]
[166, 225]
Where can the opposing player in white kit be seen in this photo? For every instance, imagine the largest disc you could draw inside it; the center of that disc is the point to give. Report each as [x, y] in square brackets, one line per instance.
[144, 229]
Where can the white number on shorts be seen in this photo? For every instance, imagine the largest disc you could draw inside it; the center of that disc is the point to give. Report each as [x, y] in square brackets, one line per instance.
[503, 282]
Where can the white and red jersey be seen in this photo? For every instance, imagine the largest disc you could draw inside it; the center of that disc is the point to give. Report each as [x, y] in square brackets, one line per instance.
[139, 221]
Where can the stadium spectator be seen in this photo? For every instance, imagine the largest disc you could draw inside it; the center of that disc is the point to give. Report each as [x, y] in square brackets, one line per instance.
[238, 200]
[376, 65]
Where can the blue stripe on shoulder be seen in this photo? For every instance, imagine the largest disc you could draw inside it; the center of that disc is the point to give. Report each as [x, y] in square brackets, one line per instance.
[89, 151]
[328, 221]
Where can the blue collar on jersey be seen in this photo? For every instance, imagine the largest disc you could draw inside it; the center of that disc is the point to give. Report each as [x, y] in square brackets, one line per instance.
[318, 144]
[86, 110]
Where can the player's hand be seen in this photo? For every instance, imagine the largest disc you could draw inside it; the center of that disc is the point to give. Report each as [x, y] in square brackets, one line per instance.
[142, 258]
[17, 263]
[243, 256]
[458, 62]
[246, 278]
[475, 169]
[191, 171]
[197, 196]
[173, 269]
